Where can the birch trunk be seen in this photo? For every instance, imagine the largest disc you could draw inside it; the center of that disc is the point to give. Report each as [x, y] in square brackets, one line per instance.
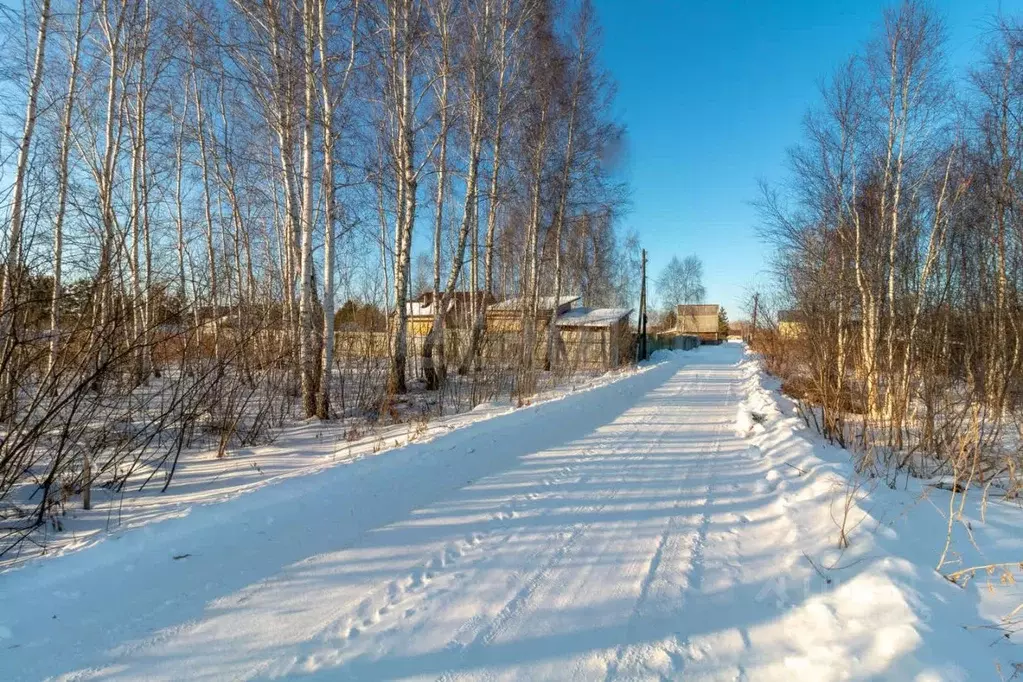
[62, 192]
[434, 369]
[307, 360]
[103, 311]
[330, 209]
[401, 57]
[469, 218]
[200, 121]
[12, 266]
[179, 203]
[472, 353]
[532, 256]
[566, 182]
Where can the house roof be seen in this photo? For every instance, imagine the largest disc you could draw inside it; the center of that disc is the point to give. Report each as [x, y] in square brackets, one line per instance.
[592, 317]
[790, 315]
[699, 309]
[420, 309]
[545, 303]
[424, 305]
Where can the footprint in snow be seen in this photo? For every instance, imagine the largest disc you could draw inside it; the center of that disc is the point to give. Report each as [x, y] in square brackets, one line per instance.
[365, 606]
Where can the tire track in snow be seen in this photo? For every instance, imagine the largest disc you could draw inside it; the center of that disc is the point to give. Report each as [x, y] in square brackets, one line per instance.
[501, 538]
[679, 642]
[489, 630]
[629, 657]
[625, 654]
[520, 601]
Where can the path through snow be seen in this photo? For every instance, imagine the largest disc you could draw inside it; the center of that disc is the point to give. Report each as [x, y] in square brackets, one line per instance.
[638, 530]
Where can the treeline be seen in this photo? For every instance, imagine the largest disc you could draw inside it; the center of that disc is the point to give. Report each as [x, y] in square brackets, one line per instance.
[191, 190]
[900, 254]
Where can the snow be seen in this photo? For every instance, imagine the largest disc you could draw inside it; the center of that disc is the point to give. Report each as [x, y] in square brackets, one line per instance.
[420, 309]
[677, 523]
[592, 317]
[543, 303]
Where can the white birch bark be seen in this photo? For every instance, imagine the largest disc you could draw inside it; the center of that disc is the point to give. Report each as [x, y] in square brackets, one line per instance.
[435, 368]
[12, 264]
[328, 94]
[307, 359]
[62, 190]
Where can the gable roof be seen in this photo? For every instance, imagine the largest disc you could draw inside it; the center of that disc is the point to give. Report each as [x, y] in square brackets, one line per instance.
[424, 306]
[699, 309]
[592, 317]
[421, 309]
[545, 303]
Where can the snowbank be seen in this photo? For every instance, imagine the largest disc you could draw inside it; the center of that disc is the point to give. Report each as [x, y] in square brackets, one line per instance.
[880, 600]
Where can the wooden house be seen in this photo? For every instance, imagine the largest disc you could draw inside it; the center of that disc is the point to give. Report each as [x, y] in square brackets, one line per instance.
[700, 320]
[457, 316]
[506, 316]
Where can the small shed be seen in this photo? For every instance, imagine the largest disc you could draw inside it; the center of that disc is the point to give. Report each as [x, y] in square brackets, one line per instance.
[700, 320]
[595, 338]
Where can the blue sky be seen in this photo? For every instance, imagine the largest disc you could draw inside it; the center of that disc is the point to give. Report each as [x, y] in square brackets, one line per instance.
[713, 93]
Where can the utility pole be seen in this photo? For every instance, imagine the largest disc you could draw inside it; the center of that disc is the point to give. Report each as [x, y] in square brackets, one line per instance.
[756, 307]
[642, 311]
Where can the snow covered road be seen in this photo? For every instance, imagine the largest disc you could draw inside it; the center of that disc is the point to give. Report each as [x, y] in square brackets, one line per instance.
[631, 531]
